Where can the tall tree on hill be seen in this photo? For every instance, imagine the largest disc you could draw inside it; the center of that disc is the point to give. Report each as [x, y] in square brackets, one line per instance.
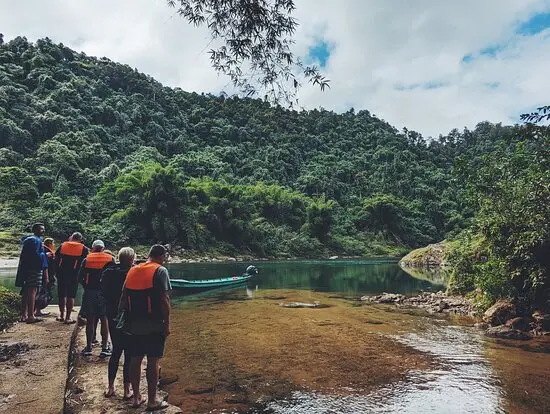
[256, 36]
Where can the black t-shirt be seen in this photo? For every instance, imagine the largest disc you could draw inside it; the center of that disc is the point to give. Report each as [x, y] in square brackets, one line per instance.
[112, 282]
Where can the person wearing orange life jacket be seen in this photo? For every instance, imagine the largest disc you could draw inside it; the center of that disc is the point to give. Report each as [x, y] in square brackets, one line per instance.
[93, 303]
[147, 304]
[68, 258]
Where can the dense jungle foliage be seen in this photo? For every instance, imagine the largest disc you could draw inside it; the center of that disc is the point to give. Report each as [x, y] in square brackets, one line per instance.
[92, 145]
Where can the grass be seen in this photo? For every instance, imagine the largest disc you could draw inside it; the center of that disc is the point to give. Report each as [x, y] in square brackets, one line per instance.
[9, 307]
[9, 244]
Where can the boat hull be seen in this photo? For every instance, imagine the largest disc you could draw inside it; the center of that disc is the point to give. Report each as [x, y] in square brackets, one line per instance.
[209, 283]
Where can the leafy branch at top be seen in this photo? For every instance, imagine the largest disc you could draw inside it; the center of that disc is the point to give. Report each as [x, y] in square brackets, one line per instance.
[255, 54]
[540, 115]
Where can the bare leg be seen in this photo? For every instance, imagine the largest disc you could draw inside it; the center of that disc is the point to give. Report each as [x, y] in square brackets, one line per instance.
[31, 297]
[135, 377]
[24, 314]
[90, 324]
[62, 302]
[104, 331]
[70, 306]
[152, 380]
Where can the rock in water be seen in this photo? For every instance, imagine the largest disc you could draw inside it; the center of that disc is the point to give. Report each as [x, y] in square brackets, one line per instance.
[506, 332]
[303, 305]
[521, 324]
[500, 312]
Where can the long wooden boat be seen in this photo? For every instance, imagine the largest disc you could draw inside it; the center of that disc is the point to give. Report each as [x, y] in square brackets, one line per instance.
[209, 283]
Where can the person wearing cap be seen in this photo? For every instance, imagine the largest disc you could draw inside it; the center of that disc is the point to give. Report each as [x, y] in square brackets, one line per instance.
[93, 303]
[146, 304]
[68, 259]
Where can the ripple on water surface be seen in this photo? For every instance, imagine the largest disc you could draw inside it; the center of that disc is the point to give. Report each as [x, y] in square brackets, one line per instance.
[463, 383]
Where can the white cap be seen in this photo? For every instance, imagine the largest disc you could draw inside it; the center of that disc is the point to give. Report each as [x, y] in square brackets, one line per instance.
[98, 243]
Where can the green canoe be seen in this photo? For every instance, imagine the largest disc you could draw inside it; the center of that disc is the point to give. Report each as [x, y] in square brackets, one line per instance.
[208, 283]
[211, 283]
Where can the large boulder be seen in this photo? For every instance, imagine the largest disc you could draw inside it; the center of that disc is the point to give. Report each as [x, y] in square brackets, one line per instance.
[506, 332]
[521, 324]
[542, 321]
[500, 312]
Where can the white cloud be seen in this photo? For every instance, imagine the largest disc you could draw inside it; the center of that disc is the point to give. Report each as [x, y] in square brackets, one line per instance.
[380, 48]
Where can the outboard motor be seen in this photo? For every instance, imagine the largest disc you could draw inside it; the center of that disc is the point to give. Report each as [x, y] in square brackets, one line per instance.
[251, 270]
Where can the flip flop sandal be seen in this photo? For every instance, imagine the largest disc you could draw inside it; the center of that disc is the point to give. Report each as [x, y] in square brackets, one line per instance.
[137, 405]
[128, 398]
[69, 322]
[160, 406]
[60, 319]
[108, 394]
[35, 320]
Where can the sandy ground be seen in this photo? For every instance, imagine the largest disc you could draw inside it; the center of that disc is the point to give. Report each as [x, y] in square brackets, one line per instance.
[34, 382]
[89, 380]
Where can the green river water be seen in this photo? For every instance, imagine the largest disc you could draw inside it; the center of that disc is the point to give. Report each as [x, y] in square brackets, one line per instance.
[472, 374]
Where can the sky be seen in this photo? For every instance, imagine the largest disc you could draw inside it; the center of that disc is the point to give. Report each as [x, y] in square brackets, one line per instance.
[426, 65]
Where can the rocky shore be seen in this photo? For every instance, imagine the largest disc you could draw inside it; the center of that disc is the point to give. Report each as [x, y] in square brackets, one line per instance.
[433, 303]
[502, 320]
[505, 320]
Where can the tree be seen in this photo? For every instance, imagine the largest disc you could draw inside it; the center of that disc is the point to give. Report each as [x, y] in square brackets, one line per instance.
[256, 35]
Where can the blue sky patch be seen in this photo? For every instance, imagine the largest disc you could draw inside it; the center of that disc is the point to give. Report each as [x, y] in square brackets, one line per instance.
[492, 85]
[535, 24]
[320, 53]
[424, 85]
[489, 51]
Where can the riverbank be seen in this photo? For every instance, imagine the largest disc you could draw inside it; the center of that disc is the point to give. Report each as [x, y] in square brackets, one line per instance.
[34, 366]
[87, 382]
[11, 263]
[432, 302]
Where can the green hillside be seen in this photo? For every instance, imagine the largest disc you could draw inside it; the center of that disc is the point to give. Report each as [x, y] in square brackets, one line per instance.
[92, 145]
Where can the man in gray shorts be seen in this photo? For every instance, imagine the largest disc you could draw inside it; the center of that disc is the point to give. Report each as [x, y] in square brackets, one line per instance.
[147, 304]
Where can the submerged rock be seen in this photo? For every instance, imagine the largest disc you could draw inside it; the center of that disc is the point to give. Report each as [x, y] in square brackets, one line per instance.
[303, 305]
[506, 332]
[500, 312]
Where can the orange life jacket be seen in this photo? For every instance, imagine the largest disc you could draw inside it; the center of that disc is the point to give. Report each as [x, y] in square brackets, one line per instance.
[71, 256]
[93, 266]
[143, 301]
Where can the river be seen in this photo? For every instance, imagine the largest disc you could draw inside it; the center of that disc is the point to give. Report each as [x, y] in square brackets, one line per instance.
[238, 350]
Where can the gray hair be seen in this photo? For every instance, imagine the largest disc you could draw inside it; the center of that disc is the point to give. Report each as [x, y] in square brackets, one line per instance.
[77, 236]
[126, 256]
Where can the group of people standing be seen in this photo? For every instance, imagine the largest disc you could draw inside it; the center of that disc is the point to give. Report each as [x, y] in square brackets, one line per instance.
[129, 300]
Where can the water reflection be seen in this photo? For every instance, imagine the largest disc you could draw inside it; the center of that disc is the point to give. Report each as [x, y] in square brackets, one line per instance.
[439, 275]
[348, 277]
[464, 382]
